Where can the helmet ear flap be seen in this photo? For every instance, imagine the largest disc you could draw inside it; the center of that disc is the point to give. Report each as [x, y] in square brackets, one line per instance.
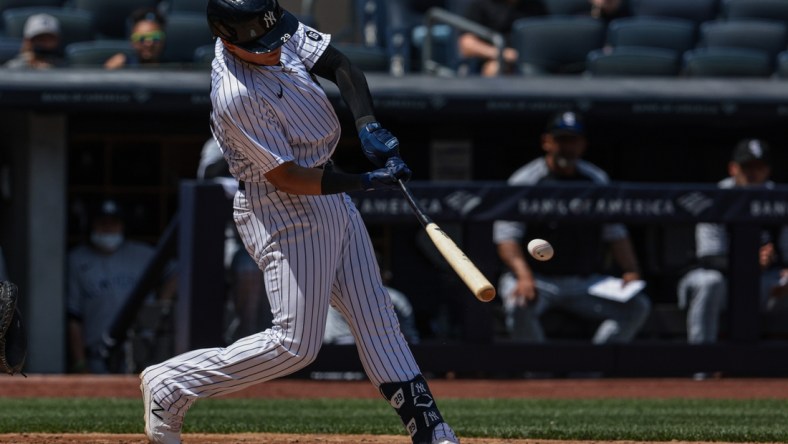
[221, 29]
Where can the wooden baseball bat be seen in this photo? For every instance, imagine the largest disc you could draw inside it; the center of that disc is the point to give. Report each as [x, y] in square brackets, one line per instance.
[464, 267]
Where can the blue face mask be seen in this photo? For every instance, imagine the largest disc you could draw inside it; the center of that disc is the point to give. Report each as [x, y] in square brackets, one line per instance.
[108, 242]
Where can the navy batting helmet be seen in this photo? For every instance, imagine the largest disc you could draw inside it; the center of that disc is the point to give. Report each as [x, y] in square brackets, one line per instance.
[257, 26]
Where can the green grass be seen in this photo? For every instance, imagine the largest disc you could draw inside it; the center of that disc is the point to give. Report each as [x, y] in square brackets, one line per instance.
[646, 420]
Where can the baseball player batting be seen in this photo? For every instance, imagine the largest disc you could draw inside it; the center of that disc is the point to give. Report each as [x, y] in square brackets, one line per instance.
[278, 130]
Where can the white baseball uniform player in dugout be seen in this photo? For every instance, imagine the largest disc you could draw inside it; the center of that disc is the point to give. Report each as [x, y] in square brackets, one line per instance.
[278, 130]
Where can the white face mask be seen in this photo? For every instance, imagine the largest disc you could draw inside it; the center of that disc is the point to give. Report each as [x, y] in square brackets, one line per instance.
[107, 241]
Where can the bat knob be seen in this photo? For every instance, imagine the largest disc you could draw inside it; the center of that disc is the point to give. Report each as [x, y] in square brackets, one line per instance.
[486, 293]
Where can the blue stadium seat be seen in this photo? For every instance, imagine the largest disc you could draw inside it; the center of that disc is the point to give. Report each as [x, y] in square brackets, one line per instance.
[695, 10]
[727, 62]
[94, 53]
[203, 55]
[655, 32]
[176, 6]
[111, 16]
[633, 61]
[11, 4]
[185, 32]
[556, 44]
[770, 37]
[9, 48]
[75, 25]
[379, 27]
[567, 7]
[756, 9]
[781, 70]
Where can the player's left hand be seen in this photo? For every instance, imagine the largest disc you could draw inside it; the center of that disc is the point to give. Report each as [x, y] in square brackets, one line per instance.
[378, 144]
[387, 177]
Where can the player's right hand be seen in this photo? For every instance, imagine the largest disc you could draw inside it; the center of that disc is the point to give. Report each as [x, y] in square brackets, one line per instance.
[378, 144]
[524, 293]
[387, 177]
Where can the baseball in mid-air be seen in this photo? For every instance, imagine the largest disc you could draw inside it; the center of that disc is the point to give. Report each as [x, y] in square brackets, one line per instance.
[540, 249]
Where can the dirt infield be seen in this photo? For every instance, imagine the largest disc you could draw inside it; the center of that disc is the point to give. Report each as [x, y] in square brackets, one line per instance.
[128, 386]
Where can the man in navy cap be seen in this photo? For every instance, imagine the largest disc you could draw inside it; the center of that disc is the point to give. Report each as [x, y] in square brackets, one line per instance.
[703, 291]
[530, 287]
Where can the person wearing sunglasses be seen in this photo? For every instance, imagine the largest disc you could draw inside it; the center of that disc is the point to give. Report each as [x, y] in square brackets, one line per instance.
[147, 38]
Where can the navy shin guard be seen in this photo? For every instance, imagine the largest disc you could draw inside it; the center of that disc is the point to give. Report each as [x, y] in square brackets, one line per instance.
[414, 403]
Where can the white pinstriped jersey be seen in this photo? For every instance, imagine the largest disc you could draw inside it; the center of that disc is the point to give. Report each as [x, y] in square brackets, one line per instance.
[286, 117]
[314, 250]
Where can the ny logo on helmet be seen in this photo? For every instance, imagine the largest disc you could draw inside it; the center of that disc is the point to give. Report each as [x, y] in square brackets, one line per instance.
[269, 19]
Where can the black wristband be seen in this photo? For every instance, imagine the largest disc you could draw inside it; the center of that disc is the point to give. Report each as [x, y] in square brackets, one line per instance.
[361, 122]
[333, 182]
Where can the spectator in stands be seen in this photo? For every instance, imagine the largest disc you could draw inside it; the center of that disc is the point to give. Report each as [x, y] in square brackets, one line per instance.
[101, 276]
[147, 39]
[703, 291]
[529, 288]
[41, 44]
[498, 15]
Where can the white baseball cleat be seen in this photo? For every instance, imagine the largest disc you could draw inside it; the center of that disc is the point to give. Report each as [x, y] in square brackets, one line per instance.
[161, 426]
[443, 434]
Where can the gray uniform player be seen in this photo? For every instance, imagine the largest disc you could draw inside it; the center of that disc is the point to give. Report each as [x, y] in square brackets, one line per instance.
[278, 130]
[530, 287]
[101, 275]
[704, 290]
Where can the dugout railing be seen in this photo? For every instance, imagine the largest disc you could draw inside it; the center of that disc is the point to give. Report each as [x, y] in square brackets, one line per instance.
[474, 205]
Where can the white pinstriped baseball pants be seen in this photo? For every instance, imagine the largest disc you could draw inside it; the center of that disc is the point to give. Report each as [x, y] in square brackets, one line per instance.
[313, 250]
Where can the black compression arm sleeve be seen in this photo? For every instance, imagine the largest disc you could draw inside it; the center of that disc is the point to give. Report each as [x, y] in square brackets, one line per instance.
[336, 67]
[333, 182]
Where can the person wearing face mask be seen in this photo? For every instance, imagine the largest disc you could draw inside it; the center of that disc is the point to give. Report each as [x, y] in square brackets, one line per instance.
[530, 288]
[101, 275]
[703, 291]
[41, 44]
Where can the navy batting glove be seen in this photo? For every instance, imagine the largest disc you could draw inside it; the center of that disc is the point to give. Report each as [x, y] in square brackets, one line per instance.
[387, 177]
[378, 144]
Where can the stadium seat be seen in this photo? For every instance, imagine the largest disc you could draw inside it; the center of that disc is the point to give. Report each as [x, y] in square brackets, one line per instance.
[695, 10]
[185, 32]
[655, 32]
[633, 61]
[556, 44]
[176, 6]
[756, 9]
[203, 55]
[567, 7]
[379, 26]
[95, 53]
[767, 36]
[366, 58]
[10, 4]
[458, 6]
[781, 70]
[727, 62]
[111, 16]
[9, 48]
[75, 25]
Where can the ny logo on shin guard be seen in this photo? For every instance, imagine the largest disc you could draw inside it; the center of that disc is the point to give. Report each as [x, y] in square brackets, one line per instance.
[421, 395]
